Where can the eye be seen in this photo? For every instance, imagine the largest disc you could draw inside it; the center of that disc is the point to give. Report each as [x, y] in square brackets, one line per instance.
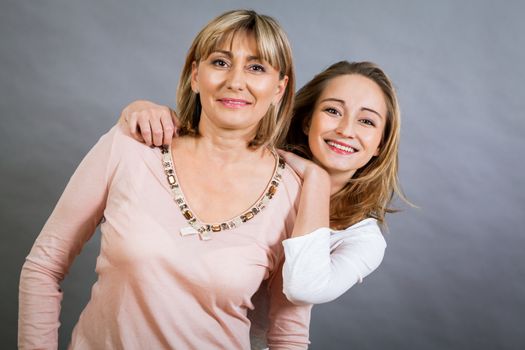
[367, 122]
[332, 111]
[219, 62]
[257, 68]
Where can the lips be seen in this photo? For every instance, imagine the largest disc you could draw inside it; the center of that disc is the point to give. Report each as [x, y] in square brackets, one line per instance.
[234, 102]
[340, 147]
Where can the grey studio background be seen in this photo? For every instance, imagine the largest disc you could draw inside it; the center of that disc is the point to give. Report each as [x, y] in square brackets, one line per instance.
[454, 272]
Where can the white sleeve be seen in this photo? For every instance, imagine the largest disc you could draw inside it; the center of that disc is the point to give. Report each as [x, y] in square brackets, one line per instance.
[315, 273]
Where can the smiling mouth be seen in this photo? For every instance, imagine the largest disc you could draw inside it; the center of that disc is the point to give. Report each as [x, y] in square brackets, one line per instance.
[233, 102]
[340, 148]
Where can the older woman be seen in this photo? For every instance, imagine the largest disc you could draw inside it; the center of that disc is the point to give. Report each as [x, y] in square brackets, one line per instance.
[189, 232]
[346, 120]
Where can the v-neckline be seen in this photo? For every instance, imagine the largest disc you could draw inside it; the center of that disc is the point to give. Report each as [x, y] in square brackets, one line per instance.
[204, 228]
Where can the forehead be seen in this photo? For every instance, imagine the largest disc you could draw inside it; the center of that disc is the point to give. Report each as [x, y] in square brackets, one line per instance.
[355, 89]
[238, 40]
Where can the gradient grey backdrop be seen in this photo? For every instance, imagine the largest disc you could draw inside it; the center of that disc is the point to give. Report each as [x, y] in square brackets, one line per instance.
[454, 271]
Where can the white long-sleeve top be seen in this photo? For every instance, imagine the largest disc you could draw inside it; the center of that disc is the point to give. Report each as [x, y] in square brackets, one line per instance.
[322, 265]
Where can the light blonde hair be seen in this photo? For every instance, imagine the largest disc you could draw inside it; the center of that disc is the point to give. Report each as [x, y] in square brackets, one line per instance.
[272, 46]
[369, 192]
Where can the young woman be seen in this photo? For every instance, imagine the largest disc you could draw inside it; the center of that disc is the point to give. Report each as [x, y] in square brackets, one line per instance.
[183, 253]
[345, 120]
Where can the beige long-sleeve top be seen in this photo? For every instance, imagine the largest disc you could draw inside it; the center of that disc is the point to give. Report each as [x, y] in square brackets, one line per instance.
[155, 288]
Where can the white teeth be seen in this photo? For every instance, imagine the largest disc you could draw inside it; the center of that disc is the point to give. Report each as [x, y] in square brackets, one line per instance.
[341, 147]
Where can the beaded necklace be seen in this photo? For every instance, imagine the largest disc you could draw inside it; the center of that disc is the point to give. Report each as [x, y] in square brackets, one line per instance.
[205, 229]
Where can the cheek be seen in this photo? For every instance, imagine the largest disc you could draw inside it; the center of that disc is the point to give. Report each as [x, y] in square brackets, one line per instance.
[322, 124]
[373, 140]
[313, 131]
[264, 89]
[209, 80]
[316, 135]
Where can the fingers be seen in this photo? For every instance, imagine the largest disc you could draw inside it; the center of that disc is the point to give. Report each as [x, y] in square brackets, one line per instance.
[156, 130]
[152, 124]
[167, 126]
[175, 120]
[283, 153]
[290, 157]
[145, 128]
[132, 123]
[297, 163]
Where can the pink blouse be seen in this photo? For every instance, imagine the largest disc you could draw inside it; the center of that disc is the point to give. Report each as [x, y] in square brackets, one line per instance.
[155, 288]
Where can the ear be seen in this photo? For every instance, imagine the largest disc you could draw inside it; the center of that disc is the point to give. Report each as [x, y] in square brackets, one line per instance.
[378, 150]
[281, 88]
[306, 125]
[194, 77]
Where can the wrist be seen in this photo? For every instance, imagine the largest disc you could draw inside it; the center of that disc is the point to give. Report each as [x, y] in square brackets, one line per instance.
[317, 174]
[315, 170]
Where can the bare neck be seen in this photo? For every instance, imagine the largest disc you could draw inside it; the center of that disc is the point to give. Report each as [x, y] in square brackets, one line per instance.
[222, 147]
[338, 181]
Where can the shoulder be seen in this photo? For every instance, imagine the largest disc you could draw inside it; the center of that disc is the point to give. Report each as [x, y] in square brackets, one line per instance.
[291, 183]
[121, 137]
[369, 226]
[124, 146]
[123, 155]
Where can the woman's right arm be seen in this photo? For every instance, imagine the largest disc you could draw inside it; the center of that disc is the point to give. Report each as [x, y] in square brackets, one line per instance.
[73, 221]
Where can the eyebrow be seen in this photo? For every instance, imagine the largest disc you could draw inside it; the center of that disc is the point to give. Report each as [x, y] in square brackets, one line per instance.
[230, 55]
[371, 110]
[343, 103]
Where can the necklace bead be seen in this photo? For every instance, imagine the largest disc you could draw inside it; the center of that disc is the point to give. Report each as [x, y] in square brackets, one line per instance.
[204, 230]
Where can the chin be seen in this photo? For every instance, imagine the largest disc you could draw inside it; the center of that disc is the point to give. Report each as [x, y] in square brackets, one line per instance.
[339, 168]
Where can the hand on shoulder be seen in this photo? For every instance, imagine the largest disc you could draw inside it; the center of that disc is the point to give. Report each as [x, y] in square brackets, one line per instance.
[150, 123]
[306, 169]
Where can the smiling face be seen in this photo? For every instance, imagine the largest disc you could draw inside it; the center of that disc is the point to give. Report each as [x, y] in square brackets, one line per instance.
[236, 86]
[347, 124]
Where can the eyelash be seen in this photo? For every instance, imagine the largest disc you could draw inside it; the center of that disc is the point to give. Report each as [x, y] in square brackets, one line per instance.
[219, 62]
[222, 63]
[368, 122]
[258, 68]
[333, 111]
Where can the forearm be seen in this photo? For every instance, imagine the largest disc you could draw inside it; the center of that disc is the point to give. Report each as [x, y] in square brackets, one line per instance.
[314, 204]
[289, 324]
[39, 307]
[72, 223]
[315, 272]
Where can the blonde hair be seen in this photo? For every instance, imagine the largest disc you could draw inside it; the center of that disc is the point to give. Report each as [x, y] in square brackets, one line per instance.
[369, 192]
[272, 46]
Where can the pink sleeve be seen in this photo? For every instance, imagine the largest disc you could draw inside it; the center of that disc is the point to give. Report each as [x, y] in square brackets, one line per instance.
[288, 324]
[73, 222]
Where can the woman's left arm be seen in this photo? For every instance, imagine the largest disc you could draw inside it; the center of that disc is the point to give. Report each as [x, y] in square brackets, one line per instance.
[315, 272]
[150, 123]
[314, 203]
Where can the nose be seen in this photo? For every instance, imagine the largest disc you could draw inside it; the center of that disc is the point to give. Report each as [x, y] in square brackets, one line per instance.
[346, 127]
[236, 79]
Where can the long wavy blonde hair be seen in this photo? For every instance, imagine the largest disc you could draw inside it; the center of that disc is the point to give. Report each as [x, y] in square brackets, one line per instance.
[272, 45]
[370, 190]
